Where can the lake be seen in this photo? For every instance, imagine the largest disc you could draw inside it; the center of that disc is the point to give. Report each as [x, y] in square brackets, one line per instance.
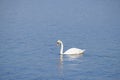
[29, 31]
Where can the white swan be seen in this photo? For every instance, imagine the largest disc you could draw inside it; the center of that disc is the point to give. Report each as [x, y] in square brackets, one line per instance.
[69, 51]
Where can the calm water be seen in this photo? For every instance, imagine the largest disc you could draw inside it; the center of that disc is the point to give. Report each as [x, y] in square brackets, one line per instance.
[29, 31]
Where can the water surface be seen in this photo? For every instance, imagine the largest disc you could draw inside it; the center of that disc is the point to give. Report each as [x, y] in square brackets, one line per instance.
[29, 31]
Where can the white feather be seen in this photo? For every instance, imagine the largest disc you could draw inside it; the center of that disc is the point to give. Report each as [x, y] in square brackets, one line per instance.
[74, 51]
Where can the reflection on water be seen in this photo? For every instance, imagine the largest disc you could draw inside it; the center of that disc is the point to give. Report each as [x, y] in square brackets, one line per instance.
[68, 62]
[61, 59]
[74, 56]
[68, 57]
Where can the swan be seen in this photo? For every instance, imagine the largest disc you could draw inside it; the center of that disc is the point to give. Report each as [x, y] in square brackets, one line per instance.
[69, 51]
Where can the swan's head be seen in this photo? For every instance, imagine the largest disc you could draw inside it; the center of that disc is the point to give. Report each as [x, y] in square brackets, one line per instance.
[59, 42]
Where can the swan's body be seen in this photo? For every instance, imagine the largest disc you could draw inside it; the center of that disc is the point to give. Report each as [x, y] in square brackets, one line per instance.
[74, 51]
[69, 51]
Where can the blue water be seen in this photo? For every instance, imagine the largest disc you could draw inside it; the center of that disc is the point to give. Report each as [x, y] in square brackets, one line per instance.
[29, 31]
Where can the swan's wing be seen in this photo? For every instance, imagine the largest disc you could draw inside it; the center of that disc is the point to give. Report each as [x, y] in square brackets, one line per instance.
[74, 51]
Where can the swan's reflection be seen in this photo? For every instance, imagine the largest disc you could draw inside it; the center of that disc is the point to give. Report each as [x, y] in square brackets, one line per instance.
[63, 58]
[74, 56]
[69, 57]
[66, 58]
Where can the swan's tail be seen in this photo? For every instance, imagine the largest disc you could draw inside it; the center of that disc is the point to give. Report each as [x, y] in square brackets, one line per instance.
[83, 50]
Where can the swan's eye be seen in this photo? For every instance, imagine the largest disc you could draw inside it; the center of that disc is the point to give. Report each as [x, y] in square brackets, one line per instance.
[58, 43]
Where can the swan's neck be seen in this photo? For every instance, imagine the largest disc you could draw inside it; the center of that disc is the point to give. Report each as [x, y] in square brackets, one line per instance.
[61, 50]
